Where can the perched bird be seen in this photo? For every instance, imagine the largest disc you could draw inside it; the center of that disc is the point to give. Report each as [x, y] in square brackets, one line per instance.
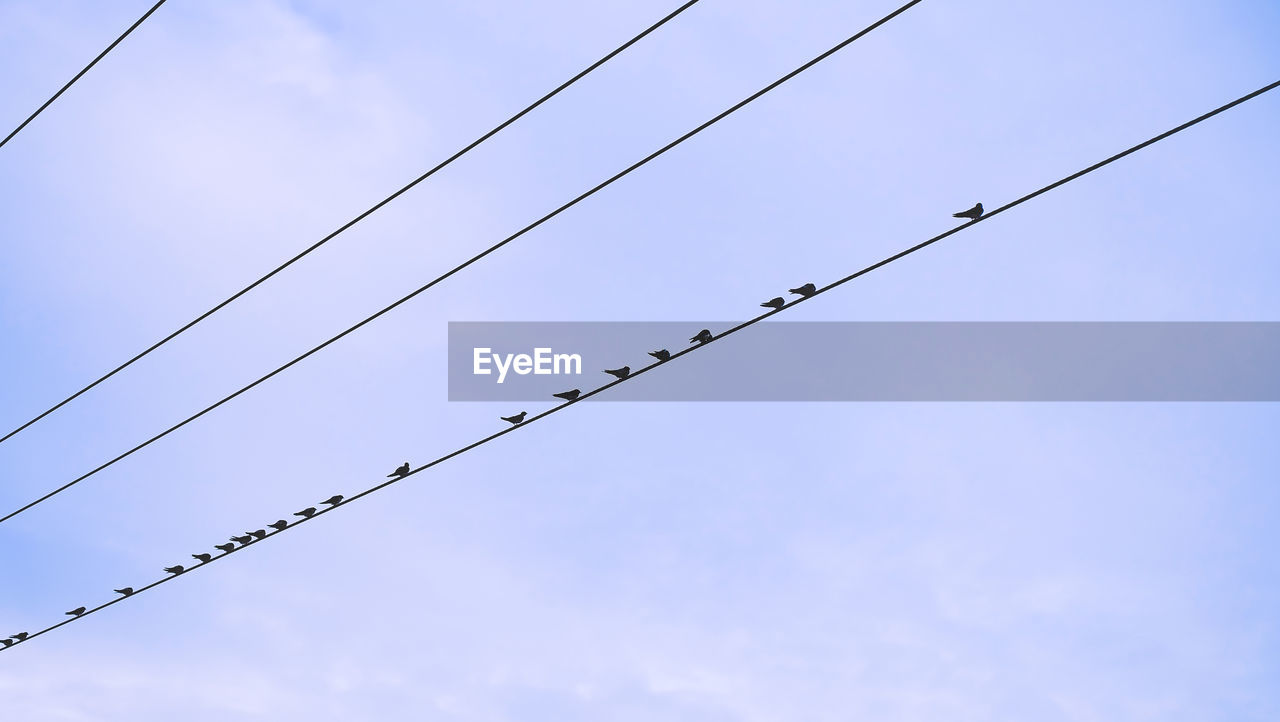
[175, 570]
[401, 470]
[569, 395]
[202, 557]
[621, 373]
[806, 290]
[126, 591]
[259, 534]
[703, 336]
[242, 539]
[76, 612]
[7, 643]
[281, 524]
[517, 419]
[228, 548]
[774, 303]
[308, 512]
[334, 500]
[972, 214]
[661, 354]
[20, 636]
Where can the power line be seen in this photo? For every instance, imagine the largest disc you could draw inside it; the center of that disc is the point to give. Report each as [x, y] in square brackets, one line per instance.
[692, 349]
[353, 221]
[476, 257]
[84, 70]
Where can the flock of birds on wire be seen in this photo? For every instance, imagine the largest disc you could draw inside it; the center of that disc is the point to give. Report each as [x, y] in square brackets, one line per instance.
[249, 537]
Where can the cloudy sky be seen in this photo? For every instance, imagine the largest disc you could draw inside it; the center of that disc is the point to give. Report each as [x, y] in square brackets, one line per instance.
[628, 561]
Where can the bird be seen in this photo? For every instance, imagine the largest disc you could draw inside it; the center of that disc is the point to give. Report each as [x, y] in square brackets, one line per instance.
[517, 419]
[279, 525]
[202, 557]
[242, 539]
[126, 591]
[259, 534]
[76, 612]
[703, 336]
[569, 395]
[20, 636]
[972, 214]
[175, 570]
[621, 373]
[308, 512]
[228, 548]
[661, 354]
[401, 470]
[806, 290]
[334, 500]
[774, 303]
[7, 643]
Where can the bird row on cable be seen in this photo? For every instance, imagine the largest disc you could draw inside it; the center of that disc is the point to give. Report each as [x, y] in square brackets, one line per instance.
[243, 540]
[663, 355]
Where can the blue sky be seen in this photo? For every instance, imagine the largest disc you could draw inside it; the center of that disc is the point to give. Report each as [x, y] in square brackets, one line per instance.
[629, 561]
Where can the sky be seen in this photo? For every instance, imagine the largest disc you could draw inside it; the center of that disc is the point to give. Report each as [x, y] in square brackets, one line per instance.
[630, 561]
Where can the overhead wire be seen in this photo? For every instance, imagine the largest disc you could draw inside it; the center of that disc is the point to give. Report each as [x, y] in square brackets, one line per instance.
[690, 349]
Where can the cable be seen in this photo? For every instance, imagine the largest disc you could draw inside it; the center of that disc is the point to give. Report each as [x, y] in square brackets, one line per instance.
[476, 257]
[86, 68]
[352, 222]
[691, 349]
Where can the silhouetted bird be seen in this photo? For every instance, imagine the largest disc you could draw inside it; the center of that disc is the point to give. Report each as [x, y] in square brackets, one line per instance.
[621, 373]
[703, 336]
[76, 612]
[228, 548]
[972, 214]
[569, 395]
[175, 570]
[775, 303]
[279, 525]
[202, 557]
[259, 534]
[7, 643]
[517, 419]
[126, 591]
[661, 354]
[20, 636]
[806, 290]
[242, 539]
[334, 500]
[401, 470]
[308, 512]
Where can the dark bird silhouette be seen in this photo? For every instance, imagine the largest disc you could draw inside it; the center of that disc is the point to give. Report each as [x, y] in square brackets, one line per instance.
[569, 395]
[703, 336]
[7, 643]
[621, 373]
[279, 525]
[76, 612]
[972, 214]
[308, 512]
[401, 470]
[228, 548]
[242, 539]
[202, 557]
[775, 303]
[334, 500]
[806, 290]
[126, 591]
[517, 419]
[661, 354]
[259, 534]
[175, 570]
[20, 636]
